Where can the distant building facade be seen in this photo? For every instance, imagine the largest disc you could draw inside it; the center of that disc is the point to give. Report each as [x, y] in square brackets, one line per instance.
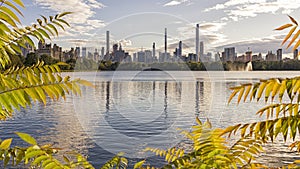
[271, 56]
[47, 49]
[229, 54]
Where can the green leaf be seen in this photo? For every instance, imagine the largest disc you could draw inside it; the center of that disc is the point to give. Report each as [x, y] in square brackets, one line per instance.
[10, 13]
[45, 19]
[50, 165]
[58, 24]
[13, 6]
[6, 18]
[34, 153]
[53, 28]
[4, 27]
[27, 138]
[63, 21]
[39, 159]
[44, 33]
[64, 13]
[28, 40]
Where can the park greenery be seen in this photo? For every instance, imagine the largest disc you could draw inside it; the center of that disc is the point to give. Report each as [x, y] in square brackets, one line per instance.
[21, 86]
[290, 64]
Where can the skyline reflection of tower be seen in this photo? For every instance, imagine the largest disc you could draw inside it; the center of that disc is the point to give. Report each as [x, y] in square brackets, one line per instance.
[107, 96]
[197, 107]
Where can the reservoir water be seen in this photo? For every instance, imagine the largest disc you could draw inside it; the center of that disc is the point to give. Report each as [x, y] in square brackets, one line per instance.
[128, 111]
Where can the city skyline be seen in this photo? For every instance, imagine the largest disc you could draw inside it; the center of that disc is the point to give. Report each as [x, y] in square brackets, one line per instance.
[136, 24]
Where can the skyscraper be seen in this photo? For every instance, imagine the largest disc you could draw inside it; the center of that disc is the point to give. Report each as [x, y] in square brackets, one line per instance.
[153, 51]
[279, 54]
[166, 42]
[197, 43]
[296, 54]
[179, 52]
[201, 55]
[107, 42]
[102, 53]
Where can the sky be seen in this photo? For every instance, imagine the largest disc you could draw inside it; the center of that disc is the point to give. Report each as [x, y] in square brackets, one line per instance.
[136, 24]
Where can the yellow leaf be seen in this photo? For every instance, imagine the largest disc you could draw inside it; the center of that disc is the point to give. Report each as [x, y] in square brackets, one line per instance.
[284, 26]
[275, 89]
[269, 88]
[282, 89]
[261, 89]
[198, 121]
[139, 164]
[86, 83]
[5, 144]
[296, 109]
[19, 2]
[27, 138]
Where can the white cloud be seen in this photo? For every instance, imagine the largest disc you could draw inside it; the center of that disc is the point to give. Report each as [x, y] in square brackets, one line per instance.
[96, 23]
[176, 2]
[258, 45]
[125, 42]
[81, 20]
[238, 9]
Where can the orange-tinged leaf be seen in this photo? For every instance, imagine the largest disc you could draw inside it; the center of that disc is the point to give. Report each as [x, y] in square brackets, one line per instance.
[284, 27]
[297, 45]
[294, 38]
[232, 95]
[241, 94]
[293, 20]
[247, 92]
[289, 35]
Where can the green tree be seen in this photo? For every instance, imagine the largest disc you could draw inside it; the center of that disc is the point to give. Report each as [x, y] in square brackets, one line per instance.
[48, 60]
[31, 59]
[16, 60]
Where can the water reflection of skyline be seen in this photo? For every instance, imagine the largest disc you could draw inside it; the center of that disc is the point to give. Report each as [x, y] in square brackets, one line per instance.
[75, 124]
